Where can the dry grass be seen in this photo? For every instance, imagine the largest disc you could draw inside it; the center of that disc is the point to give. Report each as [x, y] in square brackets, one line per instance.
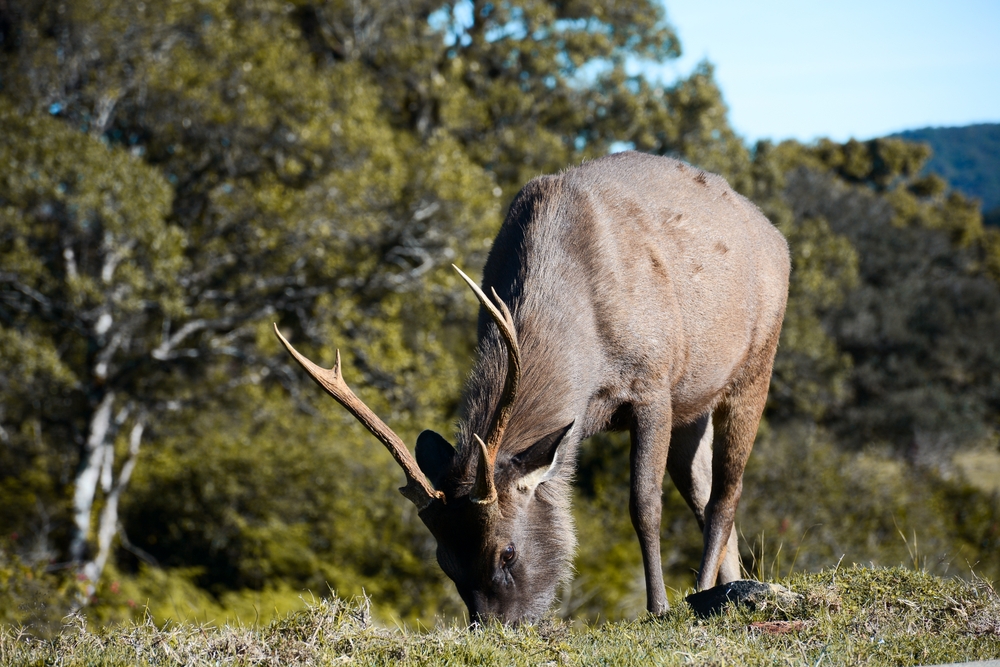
[871, 616]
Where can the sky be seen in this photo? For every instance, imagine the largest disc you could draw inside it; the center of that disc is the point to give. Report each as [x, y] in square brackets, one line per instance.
[844, 69]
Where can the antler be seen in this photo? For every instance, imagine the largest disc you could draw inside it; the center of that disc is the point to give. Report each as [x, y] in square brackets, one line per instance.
[485, 488]
[417, 490]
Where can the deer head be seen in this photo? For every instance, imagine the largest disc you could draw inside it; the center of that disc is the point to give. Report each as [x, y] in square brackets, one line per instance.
[503, 528]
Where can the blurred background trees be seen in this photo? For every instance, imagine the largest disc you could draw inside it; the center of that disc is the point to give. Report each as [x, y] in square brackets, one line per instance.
[178, 174]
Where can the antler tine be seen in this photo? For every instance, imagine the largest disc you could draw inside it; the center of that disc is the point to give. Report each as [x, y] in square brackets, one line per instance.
[505, 323]
[485, 491]
[417, 490]
[502, 318]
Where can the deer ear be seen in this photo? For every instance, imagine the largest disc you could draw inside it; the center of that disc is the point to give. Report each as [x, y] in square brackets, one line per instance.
[434, 456]
[541, 461]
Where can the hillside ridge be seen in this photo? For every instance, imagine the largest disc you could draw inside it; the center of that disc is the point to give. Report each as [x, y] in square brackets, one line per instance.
[968, 158]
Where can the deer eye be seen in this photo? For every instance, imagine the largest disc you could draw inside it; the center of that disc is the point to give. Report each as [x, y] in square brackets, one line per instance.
[508, 556]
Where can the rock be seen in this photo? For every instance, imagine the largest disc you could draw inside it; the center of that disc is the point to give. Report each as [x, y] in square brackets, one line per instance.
[755, 594]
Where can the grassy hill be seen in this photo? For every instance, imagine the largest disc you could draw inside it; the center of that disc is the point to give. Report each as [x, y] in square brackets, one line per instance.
[968, 158]
[845, 616]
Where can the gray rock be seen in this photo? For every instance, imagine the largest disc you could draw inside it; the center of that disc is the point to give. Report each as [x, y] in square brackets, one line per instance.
[754, 594]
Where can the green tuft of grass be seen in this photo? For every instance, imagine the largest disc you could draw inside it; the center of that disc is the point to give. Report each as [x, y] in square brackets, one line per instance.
[845, 616]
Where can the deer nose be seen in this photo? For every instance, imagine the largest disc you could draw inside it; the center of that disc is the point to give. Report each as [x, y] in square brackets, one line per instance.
[479, 619]
[482, 610]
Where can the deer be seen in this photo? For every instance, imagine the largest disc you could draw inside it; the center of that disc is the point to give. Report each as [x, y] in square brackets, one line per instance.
[633, 292]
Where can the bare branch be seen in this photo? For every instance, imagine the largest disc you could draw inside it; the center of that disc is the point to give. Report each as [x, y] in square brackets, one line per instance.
[164, 350]
[31, 293]
[104, 356]
[113, 258]
[70, 258]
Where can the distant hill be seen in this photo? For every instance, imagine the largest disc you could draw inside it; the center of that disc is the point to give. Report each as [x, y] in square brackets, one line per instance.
[968, 158]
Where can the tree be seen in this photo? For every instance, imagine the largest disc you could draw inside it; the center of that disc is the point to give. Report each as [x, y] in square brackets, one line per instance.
[161, 292]
[811, 374]
[91, 269]
[920, 325]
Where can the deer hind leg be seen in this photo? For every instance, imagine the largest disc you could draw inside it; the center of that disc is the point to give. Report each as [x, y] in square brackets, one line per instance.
[689, 462]
[735, 420]
[648, 460]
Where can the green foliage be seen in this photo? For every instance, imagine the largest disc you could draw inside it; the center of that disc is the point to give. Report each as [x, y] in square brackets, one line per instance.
[167, 596]
[811, 374]
[30, 596]
[920, 325]
[881, 163]
[290, 514]
[60, 219]
[875, 509]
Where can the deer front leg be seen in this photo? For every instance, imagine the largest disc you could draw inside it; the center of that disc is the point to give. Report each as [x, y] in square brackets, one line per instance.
[689, 462]
[648, 459]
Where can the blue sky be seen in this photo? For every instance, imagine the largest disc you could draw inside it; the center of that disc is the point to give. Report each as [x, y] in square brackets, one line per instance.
[845, 69]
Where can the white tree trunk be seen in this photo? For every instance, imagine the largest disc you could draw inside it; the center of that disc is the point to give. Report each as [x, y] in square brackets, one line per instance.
[107, 526]
[88, 476]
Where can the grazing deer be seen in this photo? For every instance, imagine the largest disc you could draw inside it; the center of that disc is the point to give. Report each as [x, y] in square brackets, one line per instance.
[633, 292]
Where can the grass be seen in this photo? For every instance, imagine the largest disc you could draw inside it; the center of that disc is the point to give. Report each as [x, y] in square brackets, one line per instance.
[847, 616]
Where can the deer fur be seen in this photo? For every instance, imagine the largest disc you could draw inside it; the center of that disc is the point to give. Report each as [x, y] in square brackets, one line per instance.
[646, 296]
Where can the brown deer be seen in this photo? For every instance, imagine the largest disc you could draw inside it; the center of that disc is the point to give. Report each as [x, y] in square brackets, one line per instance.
[633, 292]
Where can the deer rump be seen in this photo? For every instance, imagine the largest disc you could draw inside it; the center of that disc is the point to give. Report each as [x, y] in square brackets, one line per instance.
[633, 292]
